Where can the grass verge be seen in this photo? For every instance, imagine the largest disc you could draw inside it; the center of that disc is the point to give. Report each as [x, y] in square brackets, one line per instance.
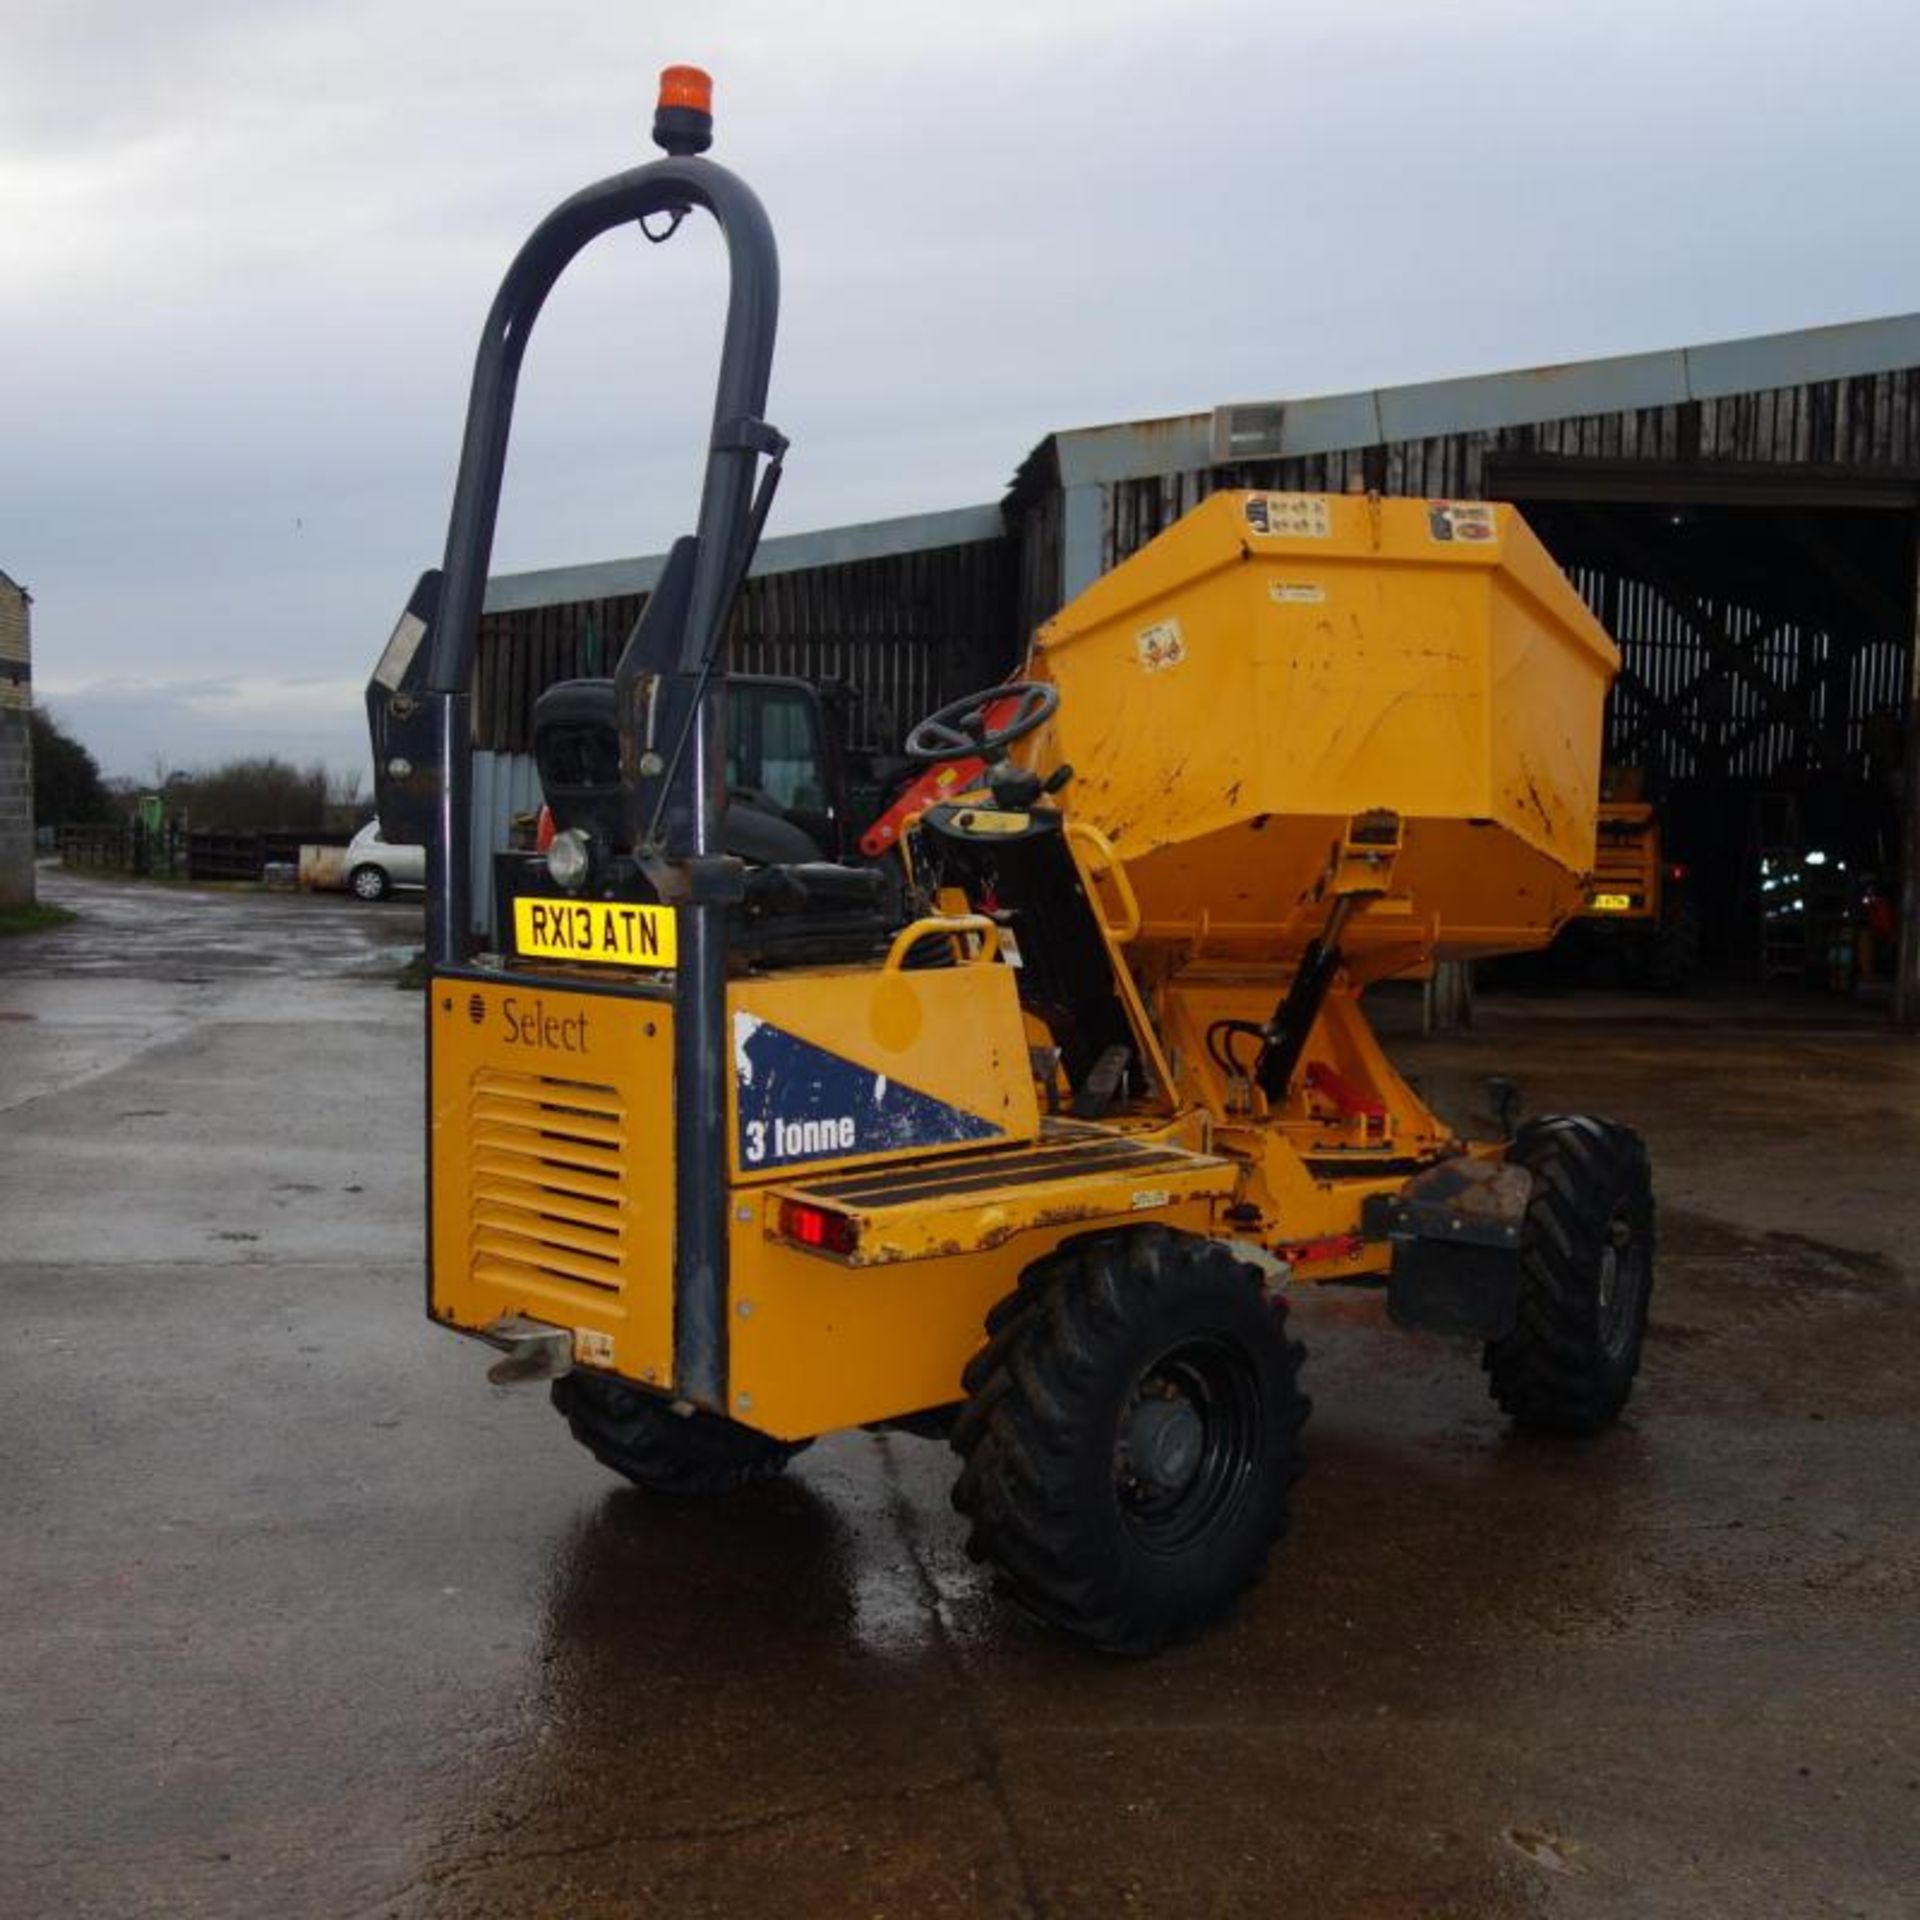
[33, 919]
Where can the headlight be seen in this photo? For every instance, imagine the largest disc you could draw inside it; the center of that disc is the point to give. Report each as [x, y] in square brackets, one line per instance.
[570, 859]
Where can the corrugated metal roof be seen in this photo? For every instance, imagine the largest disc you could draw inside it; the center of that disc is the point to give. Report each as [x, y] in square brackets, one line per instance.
[1328, 423]
[785, 553]
[1294, 428]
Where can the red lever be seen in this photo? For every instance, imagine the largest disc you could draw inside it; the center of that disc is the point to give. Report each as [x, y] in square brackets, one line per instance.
[1353, 1102]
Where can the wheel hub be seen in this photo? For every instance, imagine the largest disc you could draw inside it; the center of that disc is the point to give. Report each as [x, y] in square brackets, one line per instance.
[1164, 1441]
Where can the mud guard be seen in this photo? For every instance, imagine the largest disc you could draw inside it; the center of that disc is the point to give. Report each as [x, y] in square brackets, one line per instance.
[1455, 1232]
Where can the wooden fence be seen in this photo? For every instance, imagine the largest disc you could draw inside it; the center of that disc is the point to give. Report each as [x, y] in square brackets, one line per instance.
[171, 852]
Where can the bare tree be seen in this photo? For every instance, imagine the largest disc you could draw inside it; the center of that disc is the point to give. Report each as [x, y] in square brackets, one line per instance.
[262, 794]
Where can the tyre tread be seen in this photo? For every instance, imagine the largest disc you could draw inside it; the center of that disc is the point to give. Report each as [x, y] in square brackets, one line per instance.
[1020, 1434]
[1551, 1370]
[642, 1438]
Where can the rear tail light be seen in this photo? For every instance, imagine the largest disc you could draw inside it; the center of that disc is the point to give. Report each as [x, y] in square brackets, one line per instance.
[818, 1227]
[1676, 870]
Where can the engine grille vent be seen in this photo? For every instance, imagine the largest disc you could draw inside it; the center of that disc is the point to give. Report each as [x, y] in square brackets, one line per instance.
[548, 1210]
[1623, 857]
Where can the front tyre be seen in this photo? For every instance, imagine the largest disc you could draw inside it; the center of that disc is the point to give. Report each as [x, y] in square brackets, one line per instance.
[640, 1436]
[1586, 1276]
[1130, 1437]
[369, 883]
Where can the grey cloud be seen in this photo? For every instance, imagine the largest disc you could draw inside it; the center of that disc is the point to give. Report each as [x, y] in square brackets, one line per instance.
[256, 244]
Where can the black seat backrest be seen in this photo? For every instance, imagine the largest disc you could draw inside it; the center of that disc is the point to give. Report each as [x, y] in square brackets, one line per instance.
[576, 747]
[576, 723]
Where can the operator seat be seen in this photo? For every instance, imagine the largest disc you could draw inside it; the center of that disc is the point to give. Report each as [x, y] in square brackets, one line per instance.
[797, 906]
[576, 747]
[798, 909]
[576, 735]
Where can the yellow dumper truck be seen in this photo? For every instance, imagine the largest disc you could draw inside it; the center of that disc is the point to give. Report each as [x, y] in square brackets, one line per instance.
[1022, 1137]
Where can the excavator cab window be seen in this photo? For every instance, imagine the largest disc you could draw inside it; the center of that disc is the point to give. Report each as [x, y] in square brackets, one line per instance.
[779, 757]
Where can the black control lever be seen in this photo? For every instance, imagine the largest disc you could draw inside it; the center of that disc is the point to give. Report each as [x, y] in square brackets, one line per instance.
[770, 441]
[1093, 1099]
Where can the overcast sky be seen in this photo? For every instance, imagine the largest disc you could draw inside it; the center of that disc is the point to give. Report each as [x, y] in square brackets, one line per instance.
[248, 246]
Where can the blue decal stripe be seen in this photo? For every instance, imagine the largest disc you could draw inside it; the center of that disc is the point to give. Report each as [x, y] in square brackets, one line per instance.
[799, 1102]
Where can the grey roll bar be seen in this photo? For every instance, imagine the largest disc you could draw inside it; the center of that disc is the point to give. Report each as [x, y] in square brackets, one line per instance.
[667, 188]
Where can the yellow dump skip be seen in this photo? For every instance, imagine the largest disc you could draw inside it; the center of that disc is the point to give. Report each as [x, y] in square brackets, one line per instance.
[1275, 664]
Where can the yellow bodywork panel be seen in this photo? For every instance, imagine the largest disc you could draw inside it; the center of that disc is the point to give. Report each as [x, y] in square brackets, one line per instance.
[1274, 665]
[838, 1065]
[1351, 1128]
[1347, 1097]
[552, 1145]
[1074, 1173]
[820, 1342]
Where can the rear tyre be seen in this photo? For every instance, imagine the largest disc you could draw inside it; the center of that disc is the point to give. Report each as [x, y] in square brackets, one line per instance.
[369, 883]
[1586, 1276]
[1130, 1437]
[637, 1435]
[1673, 954]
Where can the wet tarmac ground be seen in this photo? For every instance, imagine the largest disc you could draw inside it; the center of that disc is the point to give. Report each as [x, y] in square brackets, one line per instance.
[300, 1617]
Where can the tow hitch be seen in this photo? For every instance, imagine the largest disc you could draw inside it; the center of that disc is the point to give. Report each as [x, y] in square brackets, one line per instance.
[534, 1351]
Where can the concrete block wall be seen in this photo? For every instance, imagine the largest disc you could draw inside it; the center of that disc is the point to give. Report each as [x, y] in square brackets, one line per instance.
[16, 748]
[16, 809]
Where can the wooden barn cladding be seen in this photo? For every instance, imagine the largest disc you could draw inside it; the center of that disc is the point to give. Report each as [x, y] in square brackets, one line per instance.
[1741, 516]
[913, 611]
[1830, 431]
[908, 630]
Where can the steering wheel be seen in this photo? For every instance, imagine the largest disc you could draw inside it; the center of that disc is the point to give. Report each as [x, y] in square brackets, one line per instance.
[961, 730]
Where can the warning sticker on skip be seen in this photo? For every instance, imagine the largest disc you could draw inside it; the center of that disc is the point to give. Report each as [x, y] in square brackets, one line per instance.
[1160, 646]
[1469, 521]
[1297, 593]
[1302, 515]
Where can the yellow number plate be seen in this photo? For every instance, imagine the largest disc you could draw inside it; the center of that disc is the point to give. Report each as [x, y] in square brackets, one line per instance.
[1613, 903]
[612, 933]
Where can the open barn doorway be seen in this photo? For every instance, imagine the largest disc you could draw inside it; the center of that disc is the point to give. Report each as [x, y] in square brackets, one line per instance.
[1766, 623]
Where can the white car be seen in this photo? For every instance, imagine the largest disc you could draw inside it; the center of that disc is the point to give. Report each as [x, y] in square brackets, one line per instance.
[375, 868]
